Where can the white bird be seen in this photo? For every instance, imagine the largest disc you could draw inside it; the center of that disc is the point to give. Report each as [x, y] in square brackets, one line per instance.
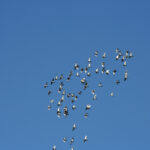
[72, 140]
[77, 74]
[74, 127]
[89, 65]
[130, 55]
[107, 72]
[104, 55]
[73, 107]
[64, 139]
[103, 64]
[114, 71]
[93, 92]
[94, 97]
[125, 75]
[49, 107]
[54, 147]
[88, 74]
[46, 85]
[89, 60]
[96, 71]
[58, 112]
[85, 139]
[112, 94]
[125, 63]
[85, 115]
[117, 57]
[100, 84]
[88, 107]
[52, 101]
[96, 53]
[72, 148]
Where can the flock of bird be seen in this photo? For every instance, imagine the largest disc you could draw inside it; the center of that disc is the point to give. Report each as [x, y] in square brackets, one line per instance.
[82, 75]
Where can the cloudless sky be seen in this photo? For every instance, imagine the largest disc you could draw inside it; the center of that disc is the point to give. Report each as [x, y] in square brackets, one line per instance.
[39, 39]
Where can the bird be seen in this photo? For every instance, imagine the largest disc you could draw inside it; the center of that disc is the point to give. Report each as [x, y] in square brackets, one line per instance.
[73, 107]
[117, 82]
[125, 75]
[46, 85]
[49, 92]
[49, 107]
[88, 107]
[94, 97]
[58, 112]
[104, 55]
[54, 147]
[74, 127]
[66, 111]
[103, 64]
[85, 115]
[107, 72]
[76, 66]
[96, 53]
[77, 74]
[112, 94]
[114, 71]
[72, 140]
[100, 84]
[85, 139]
[52, 101]
[96, 71]
[89, 60]
[125, 63]
[89, 74]
[64, 139]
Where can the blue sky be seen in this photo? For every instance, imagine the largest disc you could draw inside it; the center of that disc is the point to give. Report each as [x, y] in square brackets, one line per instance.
[39, 39]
